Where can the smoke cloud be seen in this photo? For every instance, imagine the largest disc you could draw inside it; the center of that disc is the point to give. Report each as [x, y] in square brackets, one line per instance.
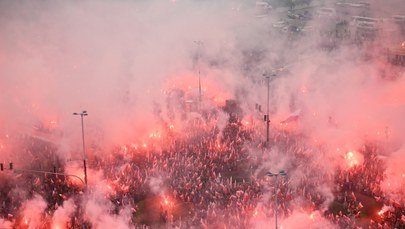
[121, 61]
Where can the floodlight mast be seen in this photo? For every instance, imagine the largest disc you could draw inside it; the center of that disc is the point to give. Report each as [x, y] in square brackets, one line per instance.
[270, 174]
[82, 114]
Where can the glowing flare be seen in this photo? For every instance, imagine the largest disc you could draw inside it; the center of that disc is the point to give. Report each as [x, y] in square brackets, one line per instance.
[154, 135]
[135, 146]
[351, 159]
[167, 202]
[124, 149]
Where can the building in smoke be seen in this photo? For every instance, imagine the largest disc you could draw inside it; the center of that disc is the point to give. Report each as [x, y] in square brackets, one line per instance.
[396, 54]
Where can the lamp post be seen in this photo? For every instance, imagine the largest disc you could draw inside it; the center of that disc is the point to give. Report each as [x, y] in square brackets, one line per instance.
[267, 119]
[267, 115]
[199, 43]
[270, 174]
[82, 114]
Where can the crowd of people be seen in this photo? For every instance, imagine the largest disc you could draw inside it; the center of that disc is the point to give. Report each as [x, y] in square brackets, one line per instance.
[215, 180]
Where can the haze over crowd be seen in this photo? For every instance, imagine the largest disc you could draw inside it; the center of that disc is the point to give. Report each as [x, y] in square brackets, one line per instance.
[120, 60]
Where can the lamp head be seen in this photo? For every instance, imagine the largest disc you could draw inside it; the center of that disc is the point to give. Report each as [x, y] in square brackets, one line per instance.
[282, 173]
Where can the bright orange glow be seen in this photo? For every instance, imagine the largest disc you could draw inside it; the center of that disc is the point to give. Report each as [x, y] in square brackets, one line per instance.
[351, 159]
[167, 203]
[189, 84]
[26, 221]
[154, 135]
[312, 216]
[124, 149]
[247, 121]
[135, 146]
[219, 101]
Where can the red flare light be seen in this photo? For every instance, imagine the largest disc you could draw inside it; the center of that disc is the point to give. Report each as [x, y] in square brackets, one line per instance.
[353, 158]
[312, 216]
[167, 202]
[255, 213]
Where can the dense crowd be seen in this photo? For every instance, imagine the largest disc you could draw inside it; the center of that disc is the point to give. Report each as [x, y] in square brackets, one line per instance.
[216, 180]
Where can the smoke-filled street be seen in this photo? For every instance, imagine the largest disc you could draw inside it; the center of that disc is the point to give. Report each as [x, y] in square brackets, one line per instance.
[226, 114]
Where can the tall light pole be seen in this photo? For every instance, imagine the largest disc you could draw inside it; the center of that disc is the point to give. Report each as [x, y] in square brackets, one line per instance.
[82, 114]
[267, 119]
[199, 43]
[267, 115]
[270, 174]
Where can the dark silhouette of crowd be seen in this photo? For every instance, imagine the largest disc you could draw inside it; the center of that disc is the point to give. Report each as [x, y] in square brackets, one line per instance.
[207, 178]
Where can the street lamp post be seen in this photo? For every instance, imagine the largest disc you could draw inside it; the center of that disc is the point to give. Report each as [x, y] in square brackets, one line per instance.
[267, 119]
[82, 114]
[270, 174]
[267, 115]
[199, 43]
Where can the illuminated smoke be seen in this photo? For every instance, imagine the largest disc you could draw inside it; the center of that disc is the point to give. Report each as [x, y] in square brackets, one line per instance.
[134, 66]
[32, 212]
[63, 214]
